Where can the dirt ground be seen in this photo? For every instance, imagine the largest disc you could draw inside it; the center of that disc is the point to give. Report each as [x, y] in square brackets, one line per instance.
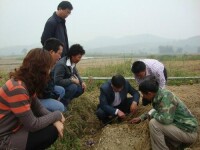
[125, 136]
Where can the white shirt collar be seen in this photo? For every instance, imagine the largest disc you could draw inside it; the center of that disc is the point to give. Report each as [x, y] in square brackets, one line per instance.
[68, 63]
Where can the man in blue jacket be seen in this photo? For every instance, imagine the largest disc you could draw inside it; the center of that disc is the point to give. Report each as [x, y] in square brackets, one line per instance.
[55, 26]
[114, 101]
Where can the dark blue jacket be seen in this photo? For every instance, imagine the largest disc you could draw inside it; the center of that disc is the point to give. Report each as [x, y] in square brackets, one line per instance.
[55, 27]
[107, 96]
[62, 73]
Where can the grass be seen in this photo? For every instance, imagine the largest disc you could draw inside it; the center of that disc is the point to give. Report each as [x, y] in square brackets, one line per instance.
[81, 122]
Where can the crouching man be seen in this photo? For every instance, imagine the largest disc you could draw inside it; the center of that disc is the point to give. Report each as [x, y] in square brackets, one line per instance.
[114, 101]
[171, 122]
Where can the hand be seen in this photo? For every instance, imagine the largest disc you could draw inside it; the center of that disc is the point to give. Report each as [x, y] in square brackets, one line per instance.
[74, 80]
[135, 120]
[83, 86]
[121, 114]
[59, 125]
[133, 108]
[62, 119]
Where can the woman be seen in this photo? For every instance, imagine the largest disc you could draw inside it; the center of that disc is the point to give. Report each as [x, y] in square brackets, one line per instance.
[24, 122]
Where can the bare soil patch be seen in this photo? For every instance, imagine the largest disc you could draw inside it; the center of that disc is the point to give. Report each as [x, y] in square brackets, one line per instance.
[126, 136]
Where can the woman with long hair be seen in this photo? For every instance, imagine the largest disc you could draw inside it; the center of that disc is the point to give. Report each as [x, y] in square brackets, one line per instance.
[24, 122]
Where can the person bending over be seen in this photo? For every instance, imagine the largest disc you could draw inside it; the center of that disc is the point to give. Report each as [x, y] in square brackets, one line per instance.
[171, 122]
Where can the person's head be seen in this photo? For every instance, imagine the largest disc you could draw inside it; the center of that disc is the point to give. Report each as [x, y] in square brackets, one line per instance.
[139, 69]
[117, 82]
[34, 71]
[75, 53]
[64, 9]
[55, 48]
[149, 88]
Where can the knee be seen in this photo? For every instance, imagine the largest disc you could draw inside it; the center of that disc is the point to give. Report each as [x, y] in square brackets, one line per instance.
[152, 123]
[72, 88]
[100, 114]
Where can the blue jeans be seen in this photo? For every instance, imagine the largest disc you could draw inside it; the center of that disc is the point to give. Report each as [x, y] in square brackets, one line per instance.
[71, 91]
[59, 90]
[52, 104]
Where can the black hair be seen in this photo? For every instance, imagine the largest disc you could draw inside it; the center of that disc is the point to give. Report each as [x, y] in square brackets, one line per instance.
[118, 81]
[138, 66]
[52, 44]
[75, 49]
[148, 86]
[65, 5]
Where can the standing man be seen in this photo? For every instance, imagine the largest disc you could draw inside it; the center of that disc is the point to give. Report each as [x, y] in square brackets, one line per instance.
[114, 101]
[171, 121]
[67, 76]
[149, 69]
[55, 26]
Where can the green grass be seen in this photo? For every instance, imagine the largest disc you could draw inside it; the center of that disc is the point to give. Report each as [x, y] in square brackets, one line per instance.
[81, 121]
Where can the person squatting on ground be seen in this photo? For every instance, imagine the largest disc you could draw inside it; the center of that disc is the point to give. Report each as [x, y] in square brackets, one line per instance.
[114, 101]
[67, 76]
[171, 122]
[149, 69]
[24, 122]
[52, 94]
[55, 26]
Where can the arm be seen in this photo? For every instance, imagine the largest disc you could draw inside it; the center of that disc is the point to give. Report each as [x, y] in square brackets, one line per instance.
[39, 110]
[104, 104]
[59, 73]
[33, 123]
[133, 92]
[160, 78]
[49, 31]
[166, 110]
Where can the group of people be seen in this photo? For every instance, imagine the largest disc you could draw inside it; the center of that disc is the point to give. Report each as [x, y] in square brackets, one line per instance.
[33, 99]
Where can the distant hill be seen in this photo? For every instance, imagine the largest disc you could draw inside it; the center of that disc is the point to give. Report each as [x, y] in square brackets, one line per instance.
[144, 43]
[137, 44]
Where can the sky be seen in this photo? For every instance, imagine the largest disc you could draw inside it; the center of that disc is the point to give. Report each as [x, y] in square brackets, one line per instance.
[22, 21]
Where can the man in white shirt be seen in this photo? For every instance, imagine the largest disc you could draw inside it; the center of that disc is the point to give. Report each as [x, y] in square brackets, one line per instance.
[148, 69]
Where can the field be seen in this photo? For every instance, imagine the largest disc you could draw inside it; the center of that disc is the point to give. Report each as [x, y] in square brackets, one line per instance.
[82, 128]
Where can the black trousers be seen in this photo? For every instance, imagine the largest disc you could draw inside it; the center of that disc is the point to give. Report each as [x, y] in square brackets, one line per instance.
[145, 101]
[106, 118]
[42, 139]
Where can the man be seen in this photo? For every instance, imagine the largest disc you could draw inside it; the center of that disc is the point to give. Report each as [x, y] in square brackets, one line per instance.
[171, 121]
[66, 74]
[113, 99]
[52, 94]
[149, 69]
[55, 25]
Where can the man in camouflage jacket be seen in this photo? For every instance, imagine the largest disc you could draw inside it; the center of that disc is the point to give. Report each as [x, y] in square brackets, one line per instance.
[171, 122]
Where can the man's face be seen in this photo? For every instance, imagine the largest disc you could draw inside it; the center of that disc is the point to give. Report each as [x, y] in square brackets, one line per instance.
[141, 74]
[149, 96]
[75, 59]
[115, 89]
[65, 13]
[56, 56]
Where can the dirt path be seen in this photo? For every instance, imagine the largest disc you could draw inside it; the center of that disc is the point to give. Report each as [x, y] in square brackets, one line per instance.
[125, 136]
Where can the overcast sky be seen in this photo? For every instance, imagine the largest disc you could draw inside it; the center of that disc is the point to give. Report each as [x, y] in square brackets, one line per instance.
[22, 21]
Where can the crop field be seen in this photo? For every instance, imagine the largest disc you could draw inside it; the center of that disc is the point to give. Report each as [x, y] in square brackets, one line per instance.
[82, 128]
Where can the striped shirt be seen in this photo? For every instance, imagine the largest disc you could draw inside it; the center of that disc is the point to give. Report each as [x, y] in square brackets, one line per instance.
[18, 109]
[155, 69]
[14, 99]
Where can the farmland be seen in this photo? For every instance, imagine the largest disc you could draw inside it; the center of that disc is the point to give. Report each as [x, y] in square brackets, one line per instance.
[82, 128]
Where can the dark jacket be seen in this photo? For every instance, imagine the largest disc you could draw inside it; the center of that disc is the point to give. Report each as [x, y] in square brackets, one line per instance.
[55, 27]
[107, 96]
[63, 74]
[48, 91]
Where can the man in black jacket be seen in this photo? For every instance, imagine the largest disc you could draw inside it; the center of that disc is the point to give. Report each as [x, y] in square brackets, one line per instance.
[55, 26]
[67, 76]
